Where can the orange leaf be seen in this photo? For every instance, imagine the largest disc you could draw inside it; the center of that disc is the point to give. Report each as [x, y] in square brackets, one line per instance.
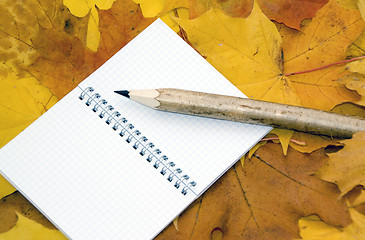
[322, 41]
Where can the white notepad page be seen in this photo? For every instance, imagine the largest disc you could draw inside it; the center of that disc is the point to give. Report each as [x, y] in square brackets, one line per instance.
[90, 182]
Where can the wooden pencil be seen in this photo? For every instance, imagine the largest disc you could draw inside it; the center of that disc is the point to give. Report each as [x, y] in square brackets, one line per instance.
[248, 111]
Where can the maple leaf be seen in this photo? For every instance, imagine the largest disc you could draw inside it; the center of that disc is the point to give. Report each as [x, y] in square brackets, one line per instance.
[346, 168]
[247, 52]
[264, 199]
[312, 228]
[52, 53]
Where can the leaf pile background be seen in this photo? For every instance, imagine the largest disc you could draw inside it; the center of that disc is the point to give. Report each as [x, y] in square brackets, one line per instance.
[291, 185]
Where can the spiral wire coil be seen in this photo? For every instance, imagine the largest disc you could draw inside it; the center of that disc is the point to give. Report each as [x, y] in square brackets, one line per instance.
[137, 140]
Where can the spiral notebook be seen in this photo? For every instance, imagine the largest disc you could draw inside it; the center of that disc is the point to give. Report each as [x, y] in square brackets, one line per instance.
[100, 166]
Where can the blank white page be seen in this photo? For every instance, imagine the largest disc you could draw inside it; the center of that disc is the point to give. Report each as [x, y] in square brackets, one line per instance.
[83, 175]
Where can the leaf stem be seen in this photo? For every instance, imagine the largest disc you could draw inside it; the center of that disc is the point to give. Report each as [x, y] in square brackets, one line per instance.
[326, 66]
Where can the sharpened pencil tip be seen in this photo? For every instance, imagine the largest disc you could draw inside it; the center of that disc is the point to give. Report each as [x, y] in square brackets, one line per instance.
[124, 93]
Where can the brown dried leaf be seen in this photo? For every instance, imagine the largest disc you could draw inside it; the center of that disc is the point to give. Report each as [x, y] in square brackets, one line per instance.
[264, 199]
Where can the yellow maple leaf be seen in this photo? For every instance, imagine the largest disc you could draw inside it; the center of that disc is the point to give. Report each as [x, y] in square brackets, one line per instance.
[346, 168]
[312, 228]
[27, 229]
[81, 8]
[248, 52]
[244, 50]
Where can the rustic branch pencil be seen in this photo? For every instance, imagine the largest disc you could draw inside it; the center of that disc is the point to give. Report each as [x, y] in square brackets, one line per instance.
[248, 111]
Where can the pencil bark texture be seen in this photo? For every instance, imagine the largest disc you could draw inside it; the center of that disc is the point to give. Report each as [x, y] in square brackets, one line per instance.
[259, 112]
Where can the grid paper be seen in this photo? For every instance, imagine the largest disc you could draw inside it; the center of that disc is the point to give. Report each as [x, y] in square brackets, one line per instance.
[89, 181]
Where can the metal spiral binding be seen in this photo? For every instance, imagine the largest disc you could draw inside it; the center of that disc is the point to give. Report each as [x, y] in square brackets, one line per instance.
[137, 140]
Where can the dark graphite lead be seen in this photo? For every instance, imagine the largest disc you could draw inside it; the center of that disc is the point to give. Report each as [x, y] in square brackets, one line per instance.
[124, 93]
